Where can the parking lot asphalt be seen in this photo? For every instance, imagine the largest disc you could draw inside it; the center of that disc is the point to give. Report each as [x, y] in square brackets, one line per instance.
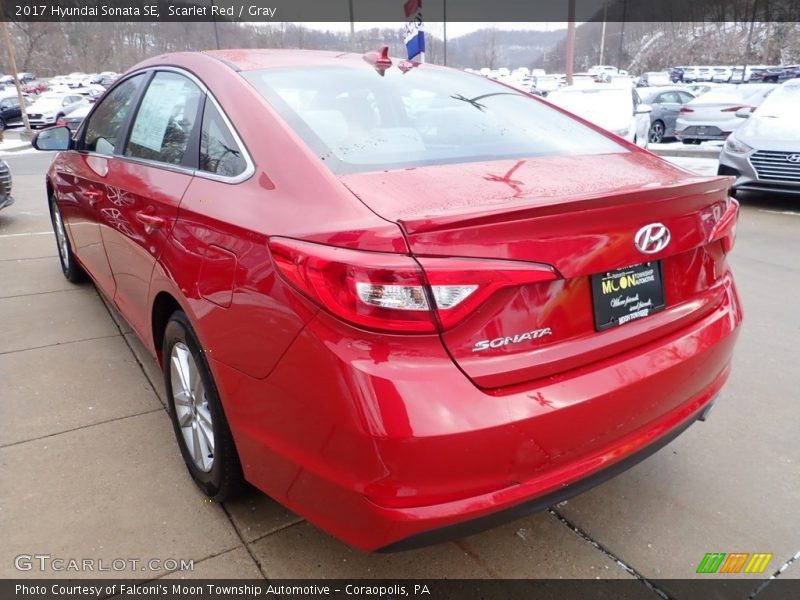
[90, 468]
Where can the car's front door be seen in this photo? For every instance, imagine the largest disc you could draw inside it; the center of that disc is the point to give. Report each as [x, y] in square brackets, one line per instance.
[82, 178]
[148, 180]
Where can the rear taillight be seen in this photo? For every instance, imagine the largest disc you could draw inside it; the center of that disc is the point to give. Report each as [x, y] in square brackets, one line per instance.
[725, 229]
[733, 109]
[61, 123]
[686, 109]
[394, 292]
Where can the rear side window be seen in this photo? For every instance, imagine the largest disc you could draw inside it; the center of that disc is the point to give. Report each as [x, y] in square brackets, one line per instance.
[165, 121]
[219, 152]
[103, 128]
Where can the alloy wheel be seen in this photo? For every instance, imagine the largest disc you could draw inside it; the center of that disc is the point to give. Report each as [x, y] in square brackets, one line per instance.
[61, 237]
[191, 407]
[656, 133]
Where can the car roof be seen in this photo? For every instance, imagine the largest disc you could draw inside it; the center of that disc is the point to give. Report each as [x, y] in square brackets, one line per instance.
[660, 90]
[252, 59]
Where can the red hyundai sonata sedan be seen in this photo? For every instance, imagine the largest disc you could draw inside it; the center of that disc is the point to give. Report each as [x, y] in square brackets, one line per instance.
[404, 301]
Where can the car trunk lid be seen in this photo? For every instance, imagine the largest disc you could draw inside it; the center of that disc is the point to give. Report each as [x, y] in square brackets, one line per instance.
[578, 214]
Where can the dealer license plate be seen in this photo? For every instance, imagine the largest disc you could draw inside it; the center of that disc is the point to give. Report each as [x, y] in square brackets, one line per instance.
[627, 294]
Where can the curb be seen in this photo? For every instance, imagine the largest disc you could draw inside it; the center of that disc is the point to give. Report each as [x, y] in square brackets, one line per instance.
[13, 149]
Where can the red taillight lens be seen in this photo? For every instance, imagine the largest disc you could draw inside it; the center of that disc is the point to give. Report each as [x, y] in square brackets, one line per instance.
[725, 228]
[487, 276]
[371, 289]
[733, 109]
[61, 123]
[686, 109]
[390, 292]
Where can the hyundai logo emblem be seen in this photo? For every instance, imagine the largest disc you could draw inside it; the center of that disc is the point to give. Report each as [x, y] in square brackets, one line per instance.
[793, 158]
[652, 238]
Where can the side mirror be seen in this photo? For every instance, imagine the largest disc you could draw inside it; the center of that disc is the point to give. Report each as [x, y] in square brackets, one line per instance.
[744, 112]
[643, 109]
[53, 138]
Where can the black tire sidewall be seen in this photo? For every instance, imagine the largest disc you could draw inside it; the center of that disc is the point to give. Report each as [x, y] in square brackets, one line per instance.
[74, 272]
[225, 471]
[653, 129]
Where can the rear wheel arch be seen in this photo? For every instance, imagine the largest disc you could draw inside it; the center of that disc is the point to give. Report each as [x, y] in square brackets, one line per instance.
[164, 306]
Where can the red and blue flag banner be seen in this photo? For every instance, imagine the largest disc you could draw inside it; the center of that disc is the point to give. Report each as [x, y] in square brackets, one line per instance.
[414, 31]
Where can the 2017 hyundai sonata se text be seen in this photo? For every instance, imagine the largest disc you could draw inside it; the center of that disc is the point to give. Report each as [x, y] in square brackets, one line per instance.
[402, 300]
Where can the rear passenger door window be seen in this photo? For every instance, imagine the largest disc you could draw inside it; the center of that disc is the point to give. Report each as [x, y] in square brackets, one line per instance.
[219, 152]
[104, 126]
[669, 98]
[164, 127]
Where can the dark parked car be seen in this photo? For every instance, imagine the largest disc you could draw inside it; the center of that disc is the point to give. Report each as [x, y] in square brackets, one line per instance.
[10, 113]
[6, 199]
[790, 72]
[766, 75]
[666, 103]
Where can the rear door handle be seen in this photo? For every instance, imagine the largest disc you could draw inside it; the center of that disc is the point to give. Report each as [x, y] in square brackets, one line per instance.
[150, 220]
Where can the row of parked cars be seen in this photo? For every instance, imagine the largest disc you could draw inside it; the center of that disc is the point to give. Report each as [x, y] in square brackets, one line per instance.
[65, 99]
[740, 74]
[654, 115]
[758, 123]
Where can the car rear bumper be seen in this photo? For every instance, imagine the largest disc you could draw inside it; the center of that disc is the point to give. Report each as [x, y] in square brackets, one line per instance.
[390, 446]
[694, 132]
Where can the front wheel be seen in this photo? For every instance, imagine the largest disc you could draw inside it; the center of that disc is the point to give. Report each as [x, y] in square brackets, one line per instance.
[196, 412]
[69, 266]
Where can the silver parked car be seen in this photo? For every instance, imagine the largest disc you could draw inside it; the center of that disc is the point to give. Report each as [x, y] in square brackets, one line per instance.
[712, 116]
[764, 153]
[666, 103]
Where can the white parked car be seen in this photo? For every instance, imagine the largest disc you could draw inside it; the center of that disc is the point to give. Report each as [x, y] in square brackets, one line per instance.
[617, 109]
[545, 84]
[704, 74]
[712, 116]
[722, 74]
[51, 106]
[75, 79]
[654, 78]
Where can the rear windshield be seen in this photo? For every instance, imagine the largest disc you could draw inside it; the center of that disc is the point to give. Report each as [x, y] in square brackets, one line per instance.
[356, 120]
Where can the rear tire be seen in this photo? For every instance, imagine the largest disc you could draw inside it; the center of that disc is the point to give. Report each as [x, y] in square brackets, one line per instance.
[2, 124]
[198, 418]
[656, 133]
[69, 265]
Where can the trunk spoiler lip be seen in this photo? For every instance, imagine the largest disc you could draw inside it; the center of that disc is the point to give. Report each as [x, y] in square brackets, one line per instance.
[542, 206]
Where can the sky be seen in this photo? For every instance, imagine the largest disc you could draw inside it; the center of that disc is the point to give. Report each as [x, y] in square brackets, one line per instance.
[436, 28]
